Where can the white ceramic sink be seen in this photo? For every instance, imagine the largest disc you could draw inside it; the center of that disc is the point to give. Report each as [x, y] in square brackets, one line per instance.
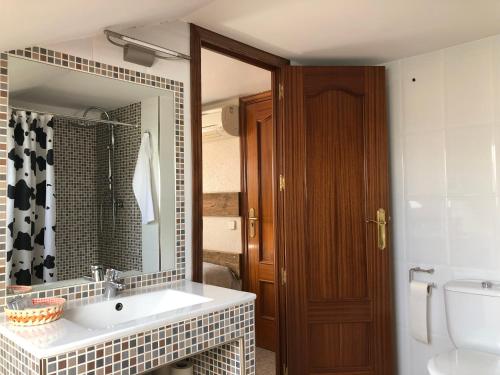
[95, 320]
[108, 313]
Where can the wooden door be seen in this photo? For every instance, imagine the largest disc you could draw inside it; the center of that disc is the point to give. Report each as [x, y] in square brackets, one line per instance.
[257, 125]
[335, 162]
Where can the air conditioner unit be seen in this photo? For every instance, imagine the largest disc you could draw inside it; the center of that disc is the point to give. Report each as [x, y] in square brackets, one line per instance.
[220, 123]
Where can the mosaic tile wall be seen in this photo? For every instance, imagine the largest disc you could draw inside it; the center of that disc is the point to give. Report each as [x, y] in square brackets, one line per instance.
[111, 71]
[77, 208]
[82, 182]
[17, 361]
[233, 328]
[121, 248]
[225, 359]
[220, 343]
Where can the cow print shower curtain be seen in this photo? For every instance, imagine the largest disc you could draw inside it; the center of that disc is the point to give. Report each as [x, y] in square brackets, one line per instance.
[31, 215]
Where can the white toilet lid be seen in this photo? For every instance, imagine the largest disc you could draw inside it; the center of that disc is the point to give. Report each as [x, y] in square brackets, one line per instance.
[464, 362]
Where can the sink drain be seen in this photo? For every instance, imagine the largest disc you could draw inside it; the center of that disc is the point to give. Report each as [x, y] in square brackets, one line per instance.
[119, 307]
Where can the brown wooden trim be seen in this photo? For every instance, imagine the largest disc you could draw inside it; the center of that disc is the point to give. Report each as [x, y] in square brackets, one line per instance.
[244, 196]
[221, 204]
[196, 151]
[255, 98]
[201, 37]
[280, 261]
[237, 50]
[293, 171]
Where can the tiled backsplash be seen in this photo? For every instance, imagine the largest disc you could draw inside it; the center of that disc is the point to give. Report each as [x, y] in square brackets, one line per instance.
[445, 144]
[77, 208]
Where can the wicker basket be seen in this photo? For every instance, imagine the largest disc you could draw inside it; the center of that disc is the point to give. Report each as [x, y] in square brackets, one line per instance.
[37, 316]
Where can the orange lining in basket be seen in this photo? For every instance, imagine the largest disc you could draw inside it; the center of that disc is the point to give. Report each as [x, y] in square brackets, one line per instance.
[32, 318]
[35, 316]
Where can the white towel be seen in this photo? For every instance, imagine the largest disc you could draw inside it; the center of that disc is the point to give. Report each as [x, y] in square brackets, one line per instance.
[142, 181]
[419, 293]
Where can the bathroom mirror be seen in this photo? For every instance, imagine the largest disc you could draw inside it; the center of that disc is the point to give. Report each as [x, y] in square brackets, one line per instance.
[90, 176]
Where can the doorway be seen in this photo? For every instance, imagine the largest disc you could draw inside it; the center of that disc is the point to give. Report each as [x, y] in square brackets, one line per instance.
[235, 243]
[332, 255]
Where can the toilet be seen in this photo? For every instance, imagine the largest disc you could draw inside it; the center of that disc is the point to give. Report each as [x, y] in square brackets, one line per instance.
[473, 319]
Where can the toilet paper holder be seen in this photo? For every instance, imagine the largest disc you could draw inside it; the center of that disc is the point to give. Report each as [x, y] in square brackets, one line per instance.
[419, 269]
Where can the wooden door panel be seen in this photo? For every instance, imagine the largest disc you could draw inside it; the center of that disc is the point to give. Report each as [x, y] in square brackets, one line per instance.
[335, 196]
[258, 128]
[267, 295]
[266, 223]
[339, 290]
[266, 335]
[348, 311]
[266, 271]
[340, 347]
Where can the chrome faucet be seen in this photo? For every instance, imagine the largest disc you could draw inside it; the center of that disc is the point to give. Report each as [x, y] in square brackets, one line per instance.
[111, 283]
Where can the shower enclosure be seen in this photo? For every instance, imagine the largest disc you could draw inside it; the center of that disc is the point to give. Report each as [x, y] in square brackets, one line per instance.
[109, 196]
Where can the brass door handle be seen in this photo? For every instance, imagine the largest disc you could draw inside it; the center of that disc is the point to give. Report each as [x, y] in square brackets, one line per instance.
[252, 222]
[381, 228]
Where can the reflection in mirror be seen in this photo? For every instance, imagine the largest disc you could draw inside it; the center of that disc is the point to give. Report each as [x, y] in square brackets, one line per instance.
[90, 177]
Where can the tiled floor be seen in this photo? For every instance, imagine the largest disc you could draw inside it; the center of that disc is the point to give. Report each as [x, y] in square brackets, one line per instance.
[265, 361]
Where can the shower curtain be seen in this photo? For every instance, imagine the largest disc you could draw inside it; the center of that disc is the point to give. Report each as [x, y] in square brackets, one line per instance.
[31, 215]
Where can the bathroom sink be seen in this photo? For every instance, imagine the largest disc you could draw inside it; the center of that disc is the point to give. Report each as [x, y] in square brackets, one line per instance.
[95, 320]
[128, 308]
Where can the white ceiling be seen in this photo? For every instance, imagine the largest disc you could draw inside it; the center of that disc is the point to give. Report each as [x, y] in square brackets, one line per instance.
[44, 86]
[306, 31]
[33, 22]
[224, 78]
[350, 31]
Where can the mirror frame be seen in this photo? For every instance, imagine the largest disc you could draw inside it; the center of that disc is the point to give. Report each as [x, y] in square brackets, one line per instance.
[83, 65]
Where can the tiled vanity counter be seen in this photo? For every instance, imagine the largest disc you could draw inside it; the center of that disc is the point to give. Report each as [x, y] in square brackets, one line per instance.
[218, 334]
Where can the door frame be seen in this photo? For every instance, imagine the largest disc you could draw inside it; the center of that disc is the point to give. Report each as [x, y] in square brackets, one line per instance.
[203, 38]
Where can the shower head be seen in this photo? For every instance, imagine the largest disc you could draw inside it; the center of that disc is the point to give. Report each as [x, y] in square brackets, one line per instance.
[102, 110]
[104, 115]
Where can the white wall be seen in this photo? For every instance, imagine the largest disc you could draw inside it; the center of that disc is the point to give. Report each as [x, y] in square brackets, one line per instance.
[445, 143]
[221, 165]
[173, 35]
[221, 174]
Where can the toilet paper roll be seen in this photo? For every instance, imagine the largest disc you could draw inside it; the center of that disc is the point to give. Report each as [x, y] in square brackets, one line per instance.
[419, 293]
[184, 367]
